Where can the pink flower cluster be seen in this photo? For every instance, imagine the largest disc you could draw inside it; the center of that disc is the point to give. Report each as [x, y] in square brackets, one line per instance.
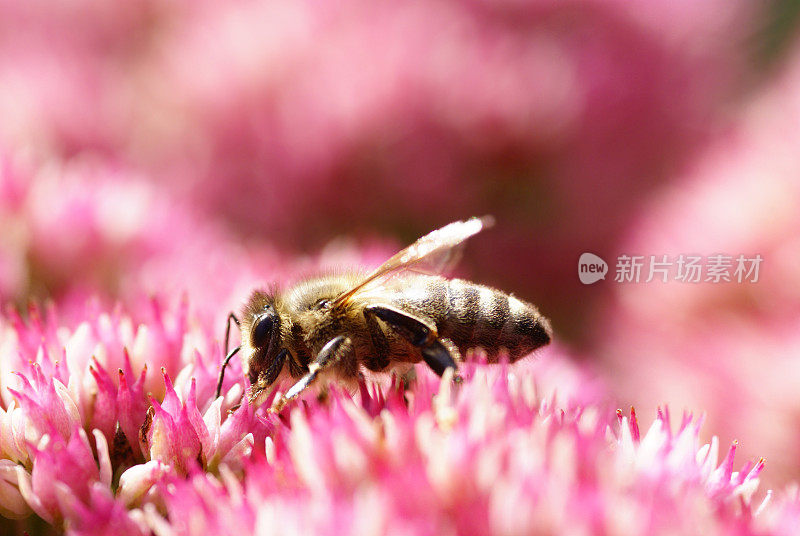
[732, 349]
[159, 159]
[62, 386]
[86, 229]
[491, 459]
[95, 439]
[372, 116]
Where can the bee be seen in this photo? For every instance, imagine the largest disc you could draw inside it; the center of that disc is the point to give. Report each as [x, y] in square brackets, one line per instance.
[400, 314]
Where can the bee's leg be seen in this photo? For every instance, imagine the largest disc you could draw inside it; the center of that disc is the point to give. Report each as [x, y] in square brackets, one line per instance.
[266, 378]
[332, 353]
[438, 357]
[380, 360]
[418, 332]
[408, 377]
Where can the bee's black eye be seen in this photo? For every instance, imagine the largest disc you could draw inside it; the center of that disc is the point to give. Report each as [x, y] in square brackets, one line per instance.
[262, 329]
[322, 304]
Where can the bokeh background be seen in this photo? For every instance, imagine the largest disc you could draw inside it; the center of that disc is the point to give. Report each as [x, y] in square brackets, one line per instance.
[189, 150]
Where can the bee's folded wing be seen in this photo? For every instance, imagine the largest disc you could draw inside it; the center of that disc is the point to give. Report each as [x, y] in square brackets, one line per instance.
[434, 253]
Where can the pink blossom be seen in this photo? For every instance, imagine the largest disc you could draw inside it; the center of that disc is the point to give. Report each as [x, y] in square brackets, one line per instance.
[729, 348]
[525, 448]
[490, 458]
[103, 515]
[90, 226]
[159, 159]
[428, 109]
[176, 434]
[54, 364]
[64, 471]
[55, 403]
[12, 503]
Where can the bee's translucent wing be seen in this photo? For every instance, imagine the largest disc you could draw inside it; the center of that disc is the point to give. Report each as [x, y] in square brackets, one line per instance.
[432, 253]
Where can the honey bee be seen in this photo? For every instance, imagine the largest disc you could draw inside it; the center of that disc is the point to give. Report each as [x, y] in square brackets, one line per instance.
[398, 315]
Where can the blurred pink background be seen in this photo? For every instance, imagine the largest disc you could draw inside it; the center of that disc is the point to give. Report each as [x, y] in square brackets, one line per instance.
[199, 148]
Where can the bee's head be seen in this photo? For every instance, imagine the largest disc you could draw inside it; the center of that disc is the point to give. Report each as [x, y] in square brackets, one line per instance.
[261, 333]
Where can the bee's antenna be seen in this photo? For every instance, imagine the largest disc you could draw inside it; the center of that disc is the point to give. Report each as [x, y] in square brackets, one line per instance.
[231, 316]
[228, 357]
[222, 370]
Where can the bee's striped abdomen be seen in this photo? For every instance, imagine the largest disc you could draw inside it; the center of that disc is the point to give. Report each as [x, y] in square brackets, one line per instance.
[462, 314]
[473, 315]
[525, 330]
[494, 315]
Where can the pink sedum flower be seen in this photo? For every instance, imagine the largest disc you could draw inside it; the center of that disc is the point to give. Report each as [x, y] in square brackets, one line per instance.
[103, 515]
[492, 458]
[64, 471]
[528, 448]
[52, 406]
[176, 434]
[12, 503]
[133, 183]
[75, 388]
[730, 348]
[302, 108]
